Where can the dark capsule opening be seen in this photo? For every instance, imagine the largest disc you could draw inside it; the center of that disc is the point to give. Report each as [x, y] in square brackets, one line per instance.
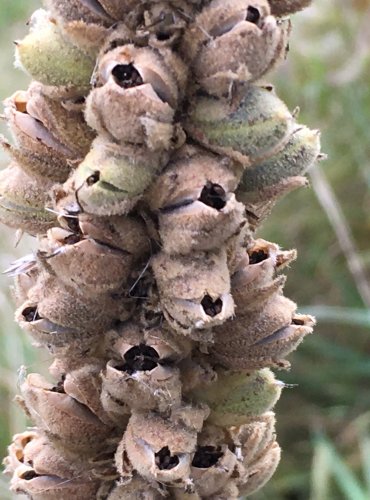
[140, 358]
[30, 314]
[30, 474]
[126, 76]
[206, 456]
[258, 256]
[213, 195]
[164, 460]
[93, 178]
[253, 15]
[211, 308]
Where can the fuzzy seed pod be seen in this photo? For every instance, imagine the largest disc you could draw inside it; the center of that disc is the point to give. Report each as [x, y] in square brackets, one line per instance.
[135, 99]
[196, 207]
[112, 178]
[23, 200]
[79, 430]
[274, 332]
[252, 127]
[85, 263]
[263, 180]
[159, 449]
[143, 378]
[50, 58]
[194, 291]
[281, 8]
[236, 397]
[249, 43]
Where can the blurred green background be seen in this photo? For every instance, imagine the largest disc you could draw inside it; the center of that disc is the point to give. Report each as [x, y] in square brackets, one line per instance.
[324, 418]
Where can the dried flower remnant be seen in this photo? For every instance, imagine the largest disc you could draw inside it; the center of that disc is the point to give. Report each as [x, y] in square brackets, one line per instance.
[146, 151]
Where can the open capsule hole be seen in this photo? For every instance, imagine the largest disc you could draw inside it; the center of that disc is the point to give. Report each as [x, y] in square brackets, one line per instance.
[206, 456]
[253, 15]
[126, 76]
[164, 460]
[30, 314]
[257, 256]
[140, 358]
[211, 307]
[213, 195]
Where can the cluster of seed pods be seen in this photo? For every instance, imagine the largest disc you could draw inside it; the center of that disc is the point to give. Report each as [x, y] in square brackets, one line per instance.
[146, 152]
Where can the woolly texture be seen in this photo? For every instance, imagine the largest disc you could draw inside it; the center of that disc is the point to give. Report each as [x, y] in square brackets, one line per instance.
[147, 150]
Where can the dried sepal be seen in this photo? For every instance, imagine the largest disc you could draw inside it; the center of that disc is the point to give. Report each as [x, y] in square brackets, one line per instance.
[160, 449]
[255, 125]
[135, 99]
[23, 200]
[112, 178]
[236, 397]
[194, 291]
[281, 8]
[195, 204]
[50, 58]
[64, 420]
[270, 177]
[248, 41]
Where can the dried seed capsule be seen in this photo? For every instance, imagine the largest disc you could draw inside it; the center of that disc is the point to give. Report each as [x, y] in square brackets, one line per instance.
[256, 125]
[50, 58]
[36, 149]
[159, 449]
[249, 42]
[23, 200]
[194, 291]
[236, 397]
[281, 8]
[53, 312]
[273, 332]
[268, 177]
[195, 204]
[112, 178]
[136, 101]
[85, 263]
[60, 417]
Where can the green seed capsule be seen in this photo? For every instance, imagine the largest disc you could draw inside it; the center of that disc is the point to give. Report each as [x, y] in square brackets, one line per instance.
[258, 126]
[112, 178]
[49, 58]
[236, 397]
[293, 160]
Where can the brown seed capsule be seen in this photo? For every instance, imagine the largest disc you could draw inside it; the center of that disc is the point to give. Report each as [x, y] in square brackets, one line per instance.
[254, 125]
[281, 8]
[136, 100]
[37, 149]
[195, 204]
[85, 263]
[160, 449]
[64, 420]
[23, 200]
[194, 291]
[247, 39]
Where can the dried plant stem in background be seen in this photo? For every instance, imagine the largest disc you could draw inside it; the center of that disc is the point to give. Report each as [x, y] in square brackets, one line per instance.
[146, 153]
